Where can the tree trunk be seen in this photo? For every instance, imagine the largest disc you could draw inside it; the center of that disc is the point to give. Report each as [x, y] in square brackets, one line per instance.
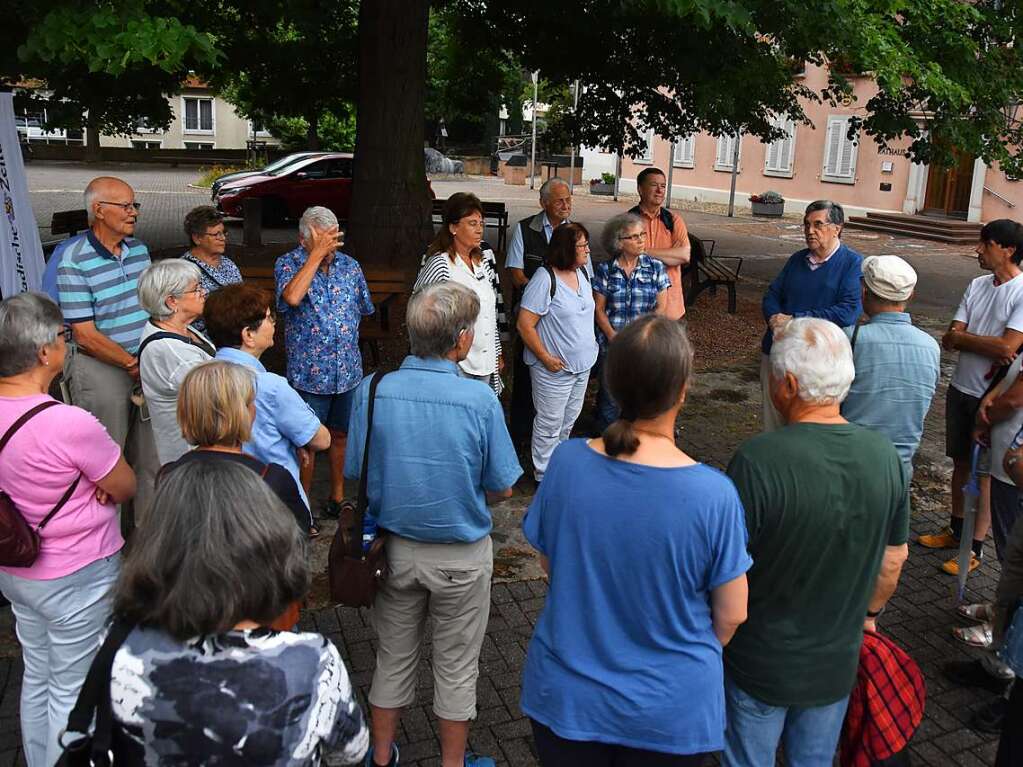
[389, 222]
[92, 147]
[312, 134]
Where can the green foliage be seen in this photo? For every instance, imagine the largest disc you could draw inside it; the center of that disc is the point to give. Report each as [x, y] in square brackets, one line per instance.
[208, 175]
[607, 178]
[337, 134]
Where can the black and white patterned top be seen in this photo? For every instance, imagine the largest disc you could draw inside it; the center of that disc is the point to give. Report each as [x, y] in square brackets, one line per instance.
[253, 697]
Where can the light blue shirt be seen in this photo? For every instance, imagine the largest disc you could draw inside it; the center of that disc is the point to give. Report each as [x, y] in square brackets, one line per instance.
[515, 257]
[566, 321]
[283, 422]
[439, 442]
[897, 370]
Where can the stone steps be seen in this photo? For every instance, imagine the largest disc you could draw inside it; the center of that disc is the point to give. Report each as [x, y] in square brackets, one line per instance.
[922, 227]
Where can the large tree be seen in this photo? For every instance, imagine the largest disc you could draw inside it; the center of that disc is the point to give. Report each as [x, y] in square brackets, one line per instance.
[107, 65]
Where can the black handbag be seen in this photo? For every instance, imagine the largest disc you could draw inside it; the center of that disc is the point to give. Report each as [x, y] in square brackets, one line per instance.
[19, 542]
[352, 574]
[94, 750]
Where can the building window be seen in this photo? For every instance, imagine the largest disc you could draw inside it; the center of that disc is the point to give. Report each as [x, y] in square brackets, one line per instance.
[648, 153]
[685, 153]
[258, 130]
[780, 155]
[137, 144]
[198, 145]
[726, 151]
[198, 114]
[142, 126]
[839, 153]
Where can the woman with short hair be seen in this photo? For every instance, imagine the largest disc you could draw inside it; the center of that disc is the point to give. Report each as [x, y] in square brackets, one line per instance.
[207, 241]
[459, 253]
[60, 459]
[556, 325]
[170, 291]
[647, 561]
[200, 679]
[215, 411]
[628, 285]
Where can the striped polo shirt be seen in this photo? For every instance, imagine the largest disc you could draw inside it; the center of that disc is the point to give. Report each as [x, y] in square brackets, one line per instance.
[96, 285]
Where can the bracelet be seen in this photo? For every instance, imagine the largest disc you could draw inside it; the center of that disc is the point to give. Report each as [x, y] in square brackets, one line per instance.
[876, 613]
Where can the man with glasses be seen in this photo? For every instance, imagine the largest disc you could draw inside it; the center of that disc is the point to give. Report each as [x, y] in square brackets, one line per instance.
[821, 280]
[667, 238]
[97, 282]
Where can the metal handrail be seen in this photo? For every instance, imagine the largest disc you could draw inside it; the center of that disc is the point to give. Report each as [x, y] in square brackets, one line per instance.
[994, 193]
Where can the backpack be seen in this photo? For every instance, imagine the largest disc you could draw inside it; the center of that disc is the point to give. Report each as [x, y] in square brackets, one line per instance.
[554, 282]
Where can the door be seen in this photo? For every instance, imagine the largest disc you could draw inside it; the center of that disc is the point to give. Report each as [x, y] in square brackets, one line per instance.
[948, 188]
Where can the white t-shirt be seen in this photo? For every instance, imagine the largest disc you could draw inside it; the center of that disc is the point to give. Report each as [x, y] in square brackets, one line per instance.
[988, 310]
[481, 360]
[1003, 432]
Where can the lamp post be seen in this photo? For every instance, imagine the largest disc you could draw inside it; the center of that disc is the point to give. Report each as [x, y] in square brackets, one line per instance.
[571, 162]
[532, 150]
[735, 172]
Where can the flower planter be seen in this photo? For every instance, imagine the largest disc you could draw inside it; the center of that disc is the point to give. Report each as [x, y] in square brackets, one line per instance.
[775, 209]
[606, 189]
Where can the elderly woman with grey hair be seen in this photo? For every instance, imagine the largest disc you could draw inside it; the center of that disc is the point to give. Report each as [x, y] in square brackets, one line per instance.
[170, 291]
[58, 462]
[625, 287]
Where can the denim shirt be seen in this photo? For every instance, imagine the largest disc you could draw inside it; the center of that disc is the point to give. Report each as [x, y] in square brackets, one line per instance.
[439, 443]
[897, 370]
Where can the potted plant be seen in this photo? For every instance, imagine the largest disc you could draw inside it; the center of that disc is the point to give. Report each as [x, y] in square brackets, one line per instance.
[768, 204]
[603, 185]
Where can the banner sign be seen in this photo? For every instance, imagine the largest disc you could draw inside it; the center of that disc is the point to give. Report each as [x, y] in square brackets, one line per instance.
[21, 252]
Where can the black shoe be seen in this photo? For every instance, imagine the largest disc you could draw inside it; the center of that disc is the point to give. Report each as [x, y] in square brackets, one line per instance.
[332, 509]
[971, 673]
[990, 716]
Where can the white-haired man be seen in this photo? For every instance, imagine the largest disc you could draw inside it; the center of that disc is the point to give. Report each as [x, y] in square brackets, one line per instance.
[322, 296]
[97, 284]
[827, 517]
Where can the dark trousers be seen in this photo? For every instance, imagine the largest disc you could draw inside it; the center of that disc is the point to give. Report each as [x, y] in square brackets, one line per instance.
[522, 411]
[555, 751]
[1010, 747]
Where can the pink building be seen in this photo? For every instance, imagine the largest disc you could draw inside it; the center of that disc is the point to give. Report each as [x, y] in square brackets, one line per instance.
[819, 161]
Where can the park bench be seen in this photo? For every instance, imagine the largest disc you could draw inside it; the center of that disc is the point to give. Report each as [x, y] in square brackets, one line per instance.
[388, 289]
[65, 222]
[495, 215]
[705, 271]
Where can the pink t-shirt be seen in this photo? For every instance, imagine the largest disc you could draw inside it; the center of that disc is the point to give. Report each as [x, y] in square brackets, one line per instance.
[37, 467]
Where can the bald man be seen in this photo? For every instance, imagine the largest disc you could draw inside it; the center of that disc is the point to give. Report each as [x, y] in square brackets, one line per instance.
[97, 281]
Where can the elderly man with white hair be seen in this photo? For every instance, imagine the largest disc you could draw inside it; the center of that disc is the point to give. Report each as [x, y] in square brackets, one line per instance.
[827, 517]
[322, 296]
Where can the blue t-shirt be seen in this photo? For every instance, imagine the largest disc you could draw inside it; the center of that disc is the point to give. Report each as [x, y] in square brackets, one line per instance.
[439, 442]
[625, 651]
[566, 321]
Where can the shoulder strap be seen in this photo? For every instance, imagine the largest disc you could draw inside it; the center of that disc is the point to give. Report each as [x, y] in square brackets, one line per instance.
[667, 219]
[554, 282]
[25, 417]
[856, 332]
[162, 334]
[362, 502]
[94, 697]
[204, 268]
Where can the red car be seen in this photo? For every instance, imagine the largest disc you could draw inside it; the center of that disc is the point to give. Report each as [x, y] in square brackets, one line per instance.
[321, 180]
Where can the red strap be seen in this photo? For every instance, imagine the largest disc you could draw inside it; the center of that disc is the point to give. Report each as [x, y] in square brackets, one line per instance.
[24, 419]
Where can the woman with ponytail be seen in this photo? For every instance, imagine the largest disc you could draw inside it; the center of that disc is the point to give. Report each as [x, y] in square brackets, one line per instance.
[646, 552]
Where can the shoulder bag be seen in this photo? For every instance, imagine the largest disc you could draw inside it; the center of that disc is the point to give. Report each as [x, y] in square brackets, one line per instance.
[19, 542]
[355, 575]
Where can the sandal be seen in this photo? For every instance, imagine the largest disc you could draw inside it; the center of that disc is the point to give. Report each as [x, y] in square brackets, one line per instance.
[976, 613]
[314, 532]
[974, 636]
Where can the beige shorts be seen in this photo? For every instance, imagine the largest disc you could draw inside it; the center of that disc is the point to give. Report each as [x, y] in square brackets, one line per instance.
[450, 584]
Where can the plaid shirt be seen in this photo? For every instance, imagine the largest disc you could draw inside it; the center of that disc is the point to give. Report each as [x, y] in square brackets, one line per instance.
[886, 705]
[629, 297]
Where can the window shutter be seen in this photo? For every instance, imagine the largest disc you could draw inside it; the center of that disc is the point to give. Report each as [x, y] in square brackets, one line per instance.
[779, 154]
[840, 152]
[684, 150]
[648, 152]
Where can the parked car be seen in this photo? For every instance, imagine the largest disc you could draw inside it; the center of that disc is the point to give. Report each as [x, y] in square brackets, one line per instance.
[273, 169]
[324, 179]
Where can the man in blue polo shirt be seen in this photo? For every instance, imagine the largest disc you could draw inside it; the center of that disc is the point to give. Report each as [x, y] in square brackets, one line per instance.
[440, 450]
[821, 280]
[97, 281]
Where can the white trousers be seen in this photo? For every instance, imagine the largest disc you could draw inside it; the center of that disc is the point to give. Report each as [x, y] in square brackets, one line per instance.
[558, 400]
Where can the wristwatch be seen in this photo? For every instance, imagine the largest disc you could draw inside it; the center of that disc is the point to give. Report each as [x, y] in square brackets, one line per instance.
[877, 613]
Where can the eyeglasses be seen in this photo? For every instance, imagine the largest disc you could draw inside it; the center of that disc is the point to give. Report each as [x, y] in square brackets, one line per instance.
[216, 235]
[270, 317]
[125, 206]
[637, 237]
[817, 226]
[198, 289]
[582, 246]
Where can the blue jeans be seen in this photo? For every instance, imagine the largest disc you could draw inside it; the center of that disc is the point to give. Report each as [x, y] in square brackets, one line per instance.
[809, 735]
[59, 625]
[607, 409]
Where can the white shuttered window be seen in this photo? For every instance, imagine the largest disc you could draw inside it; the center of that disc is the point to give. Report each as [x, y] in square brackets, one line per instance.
[779, 156]
[648, 153]
[725, 152]
[685, 152]
[839, 153]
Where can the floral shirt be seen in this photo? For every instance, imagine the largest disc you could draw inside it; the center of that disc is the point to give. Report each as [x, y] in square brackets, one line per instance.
[213, 278]
[629, 297]
[321, 334]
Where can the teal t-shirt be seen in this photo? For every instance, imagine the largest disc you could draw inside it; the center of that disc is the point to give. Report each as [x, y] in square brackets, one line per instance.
[822, 501]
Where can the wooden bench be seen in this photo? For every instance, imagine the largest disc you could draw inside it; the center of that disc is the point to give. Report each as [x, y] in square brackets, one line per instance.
[495, 215]
[388, 289]
[65, 222]
[705, 271]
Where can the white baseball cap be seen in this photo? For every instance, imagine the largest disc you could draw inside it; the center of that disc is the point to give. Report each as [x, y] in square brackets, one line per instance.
[889, 277]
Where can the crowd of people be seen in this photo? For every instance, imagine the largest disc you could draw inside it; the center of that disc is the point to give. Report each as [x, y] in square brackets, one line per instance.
[689, 610]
